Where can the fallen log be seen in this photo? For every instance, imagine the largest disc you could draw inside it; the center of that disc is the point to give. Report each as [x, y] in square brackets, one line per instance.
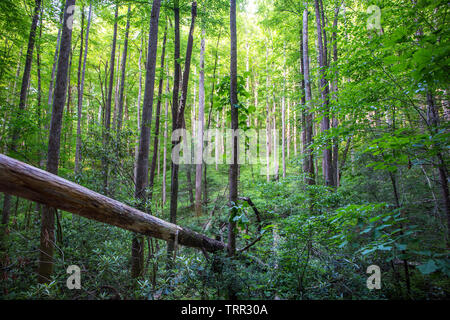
[22, 180]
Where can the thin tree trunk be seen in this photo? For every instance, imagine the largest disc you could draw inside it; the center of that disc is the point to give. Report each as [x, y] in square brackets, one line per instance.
[124, 63]
[136, 151]
[107, 111]
[234, 166]
[166, 114]
[308, 162]
[324, 93]
[137, 252]
[178, 114]
[157, 120]
[201, 120]
[80, 91]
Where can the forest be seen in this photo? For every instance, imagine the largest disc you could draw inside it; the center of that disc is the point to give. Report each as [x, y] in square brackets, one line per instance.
[224, 149]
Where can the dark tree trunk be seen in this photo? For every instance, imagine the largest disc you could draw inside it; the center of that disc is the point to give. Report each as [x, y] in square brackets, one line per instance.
[327, 163]
[48, 214]
[234, 166]
[178, 113]
[211, 102]
[157, 120]
[308, 163]
[80, 74]
[107, 110]
[122, 80]
[144, 141]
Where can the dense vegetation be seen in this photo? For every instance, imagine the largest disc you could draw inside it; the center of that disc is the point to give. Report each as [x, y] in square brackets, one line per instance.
[350, 99]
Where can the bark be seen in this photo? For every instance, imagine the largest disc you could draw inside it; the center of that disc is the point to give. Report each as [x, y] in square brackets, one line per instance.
[200, 129]
[55, 61]
[37, 185]
[166, 114]
[211, 102]
[175, 92]
[327, 164]
[308, 162]
[122, 80]
[234, 167]
[136, 151]
[334, 121]
[81, 89]
[157, 120]
[178, 113]
[48, 213]
[144, 141]
[233, 174]
[107, 110]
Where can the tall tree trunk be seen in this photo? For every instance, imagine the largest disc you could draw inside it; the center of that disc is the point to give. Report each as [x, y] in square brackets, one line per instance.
[283, 115]
[144, 141]
[308, 162]
[157, 120]
[136, 151]
[81, 89]
[211, 104]
[48, 214]
[334, 121]
[201, 120]
[166, 115]
[178, 113]
[234, 166]
[107, 112]
[268, 138]
[327, 164]
[52, 79]
[175, 107]
[122, 80]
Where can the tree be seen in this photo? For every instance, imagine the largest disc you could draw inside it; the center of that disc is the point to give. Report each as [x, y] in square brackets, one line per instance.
[308, 161]
[80, 91]
[48, 214]
[327, 163]
[178, 113]
[137, 250]
[107, 112]
[123, 72]
[201, 121]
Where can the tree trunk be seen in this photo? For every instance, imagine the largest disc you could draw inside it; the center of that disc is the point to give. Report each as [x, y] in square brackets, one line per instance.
[308, 162]
[324, 93]
[166, 114]
[34, 184]
[136, 151]
[234, 166]
[178, 113]
[144, 142]
[122, 80]
[201, 120]
[157, 120]
[107, 112]
[81, 89]
[48, 214]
